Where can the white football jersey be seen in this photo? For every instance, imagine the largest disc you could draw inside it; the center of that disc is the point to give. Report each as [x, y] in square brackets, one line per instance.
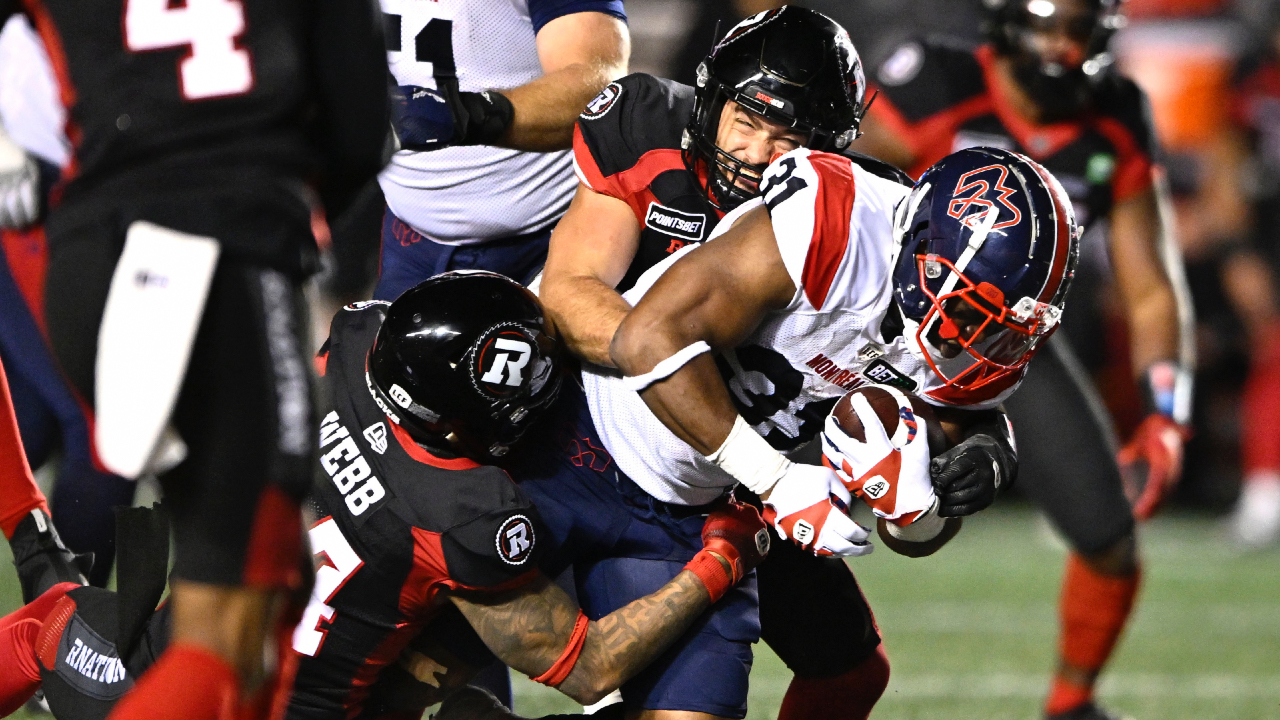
[834, 226]
[466, 195]
[30, 107]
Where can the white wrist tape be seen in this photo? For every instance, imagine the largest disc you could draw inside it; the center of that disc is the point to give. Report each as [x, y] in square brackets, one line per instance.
[666, 368]
[924, 528]
[749, 458]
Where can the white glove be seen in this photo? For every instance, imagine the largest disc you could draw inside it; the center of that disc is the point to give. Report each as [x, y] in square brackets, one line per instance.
[890, 475]
[809, 507]
[19, 186]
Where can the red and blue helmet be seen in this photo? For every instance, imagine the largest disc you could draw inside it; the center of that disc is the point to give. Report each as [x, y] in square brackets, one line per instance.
[987, 244]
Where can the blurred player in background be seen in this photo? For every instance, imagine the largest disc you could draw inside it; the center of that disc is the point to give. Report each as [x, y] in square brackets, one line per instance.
[484, 173]
[196, 132]
[33, 149]
[1045, 86]
[1254, 147]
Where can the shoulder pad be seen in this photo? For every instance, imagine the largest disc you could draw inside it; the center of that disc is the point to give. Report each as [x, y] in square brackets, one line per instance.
[630, 117]
[880, 168]
[1120, 98]
[500, 540]
[924, 77]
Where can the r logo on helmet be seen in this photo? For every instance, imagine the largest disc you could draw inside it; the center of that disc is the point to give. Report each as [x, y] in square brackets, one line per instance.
[503, 361]
[515, 540]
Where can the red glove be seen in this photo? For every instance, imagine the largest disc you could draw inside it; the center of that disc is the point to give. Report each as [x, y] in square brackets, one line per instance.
[735, 532]
[1152, 463]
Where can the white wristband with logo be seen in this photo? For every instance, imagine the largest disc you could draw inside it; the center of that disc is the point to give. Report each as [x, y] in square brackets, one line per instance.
[750, 459]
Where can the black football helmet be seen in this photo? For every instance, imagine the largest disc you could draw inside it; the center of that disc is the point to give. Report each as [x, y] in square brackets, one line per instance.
[791, 65]
[465, 353]
[1060, 90]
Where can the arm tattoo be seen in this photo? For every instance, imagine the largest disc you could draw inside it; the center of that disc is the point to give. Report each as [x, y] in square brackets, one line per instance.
[528, 629]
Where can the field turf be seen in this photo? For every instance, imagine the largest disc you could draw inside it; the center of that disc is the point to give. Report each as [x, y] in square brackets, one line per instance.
[970, 632]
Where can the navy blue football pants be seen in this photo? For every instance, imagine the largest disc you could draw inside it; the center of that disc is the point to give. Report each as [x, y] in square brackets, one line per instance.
[408, 257]
[51, 417]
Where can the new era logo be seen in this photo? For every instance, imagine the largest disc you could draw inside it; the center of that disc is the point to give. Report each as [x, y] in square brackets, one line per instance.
[376, 434]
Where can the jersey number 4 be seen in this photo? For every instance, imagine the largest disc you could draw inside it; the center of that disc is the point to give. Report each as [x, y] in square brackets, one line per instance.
[213, 66]
[340, 563]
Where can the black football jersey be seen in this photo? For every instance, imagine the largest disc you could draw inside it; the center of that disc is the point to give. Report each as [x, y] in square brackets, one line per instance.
[627, 145]
[397, 525]
[939, 98]
[233, 93]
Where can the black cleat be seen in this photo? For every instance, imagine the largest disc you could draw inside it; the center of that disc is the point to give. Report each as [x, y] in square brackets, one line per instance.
[1087, 711]
[41, 558]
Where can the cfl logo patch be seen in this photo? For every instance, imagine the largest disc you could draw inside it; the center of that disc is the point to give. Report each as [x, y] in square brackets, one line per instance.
[400, 397]
[515, 540]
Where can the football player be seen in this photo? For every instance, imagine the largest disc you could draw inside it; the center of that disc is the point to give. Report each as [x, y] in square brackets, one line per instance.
[34, 148]
[737, 350]
[177, 250]
[414, 532]
[1045, 86]
[659, 163]
[488, 94]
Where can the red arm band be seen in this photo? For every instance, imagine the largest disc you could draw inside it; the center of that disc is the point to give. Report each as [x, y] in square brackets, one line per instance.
[561, 668]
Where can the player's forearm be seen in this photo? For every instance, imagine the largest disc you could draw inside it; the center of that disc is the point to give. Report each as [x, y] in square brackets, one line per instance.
[586, 313]
[624, 642]
[546, 108]
[1154, 329]
[693, 402]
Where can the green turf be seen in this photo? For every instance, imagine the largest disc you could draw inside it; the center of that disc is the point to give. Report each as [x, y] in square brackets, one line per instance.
[971, 631]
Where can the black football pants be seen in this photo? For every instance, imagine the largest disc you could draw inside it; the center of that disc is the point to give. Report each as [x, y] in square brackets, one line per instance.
[244, 409]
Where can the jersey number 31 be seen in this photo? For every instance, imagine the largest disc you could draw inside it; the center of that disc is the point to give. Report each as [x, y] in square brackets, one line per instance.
[214, 66]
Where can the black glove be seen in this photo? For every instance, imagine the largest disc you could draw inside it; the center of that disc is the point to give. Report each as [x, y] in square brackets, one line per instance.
[427, 119]
[967, 476]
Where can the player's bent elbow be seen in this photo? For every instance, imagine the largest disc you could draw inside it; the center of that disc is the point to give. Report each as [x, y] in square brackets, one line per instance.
[590, 687]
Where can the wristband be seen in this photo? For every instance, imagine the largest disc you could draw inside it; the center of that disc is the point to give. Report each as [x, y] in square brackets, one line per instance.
[923, 529]
[711, 573]
[1167, 390]
[750, 459]
[666, 368]
[561, 668]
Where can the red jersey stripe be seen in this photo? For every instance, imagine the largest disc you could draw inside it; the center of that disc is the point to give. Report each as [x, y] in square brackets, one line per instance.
[831, 216]
[417, 452]
[1133, 167]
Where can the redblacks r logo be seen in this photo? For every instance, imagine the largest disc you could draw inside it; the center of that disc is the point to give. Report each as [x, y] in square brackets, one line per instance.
[515, 540]
[959, 206]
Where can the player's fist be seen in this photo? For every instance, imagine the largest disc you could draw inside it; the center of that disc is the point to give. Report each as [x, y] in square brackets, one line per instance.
[881, 454]
[736, 534]
[967, 476]
[423, 120]
[1156, 448]
[810, 507]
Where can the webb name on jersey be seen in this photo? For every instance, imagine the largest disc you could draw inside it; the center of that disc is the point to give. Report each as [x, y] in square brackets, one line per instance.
[833, 222]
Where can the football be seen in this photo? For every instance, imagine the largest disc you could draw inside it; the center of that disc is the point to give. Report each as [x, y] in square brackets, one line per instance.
[886, 409]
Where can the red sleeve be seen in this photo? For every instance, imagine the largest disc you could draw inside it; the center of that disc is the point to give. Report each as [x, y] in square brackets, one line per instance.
[1133, 173]
[588, 170]
[832, 213]
[19, 494]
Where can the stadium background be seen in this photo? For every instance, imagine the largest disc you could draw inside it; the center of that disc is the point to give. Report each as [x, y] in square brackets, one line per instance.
[970, 631]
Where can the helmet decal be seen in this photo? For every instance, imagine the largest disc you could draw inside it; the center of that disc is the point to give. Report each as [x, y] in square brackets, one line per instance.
[502, 360]
[978, 188]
